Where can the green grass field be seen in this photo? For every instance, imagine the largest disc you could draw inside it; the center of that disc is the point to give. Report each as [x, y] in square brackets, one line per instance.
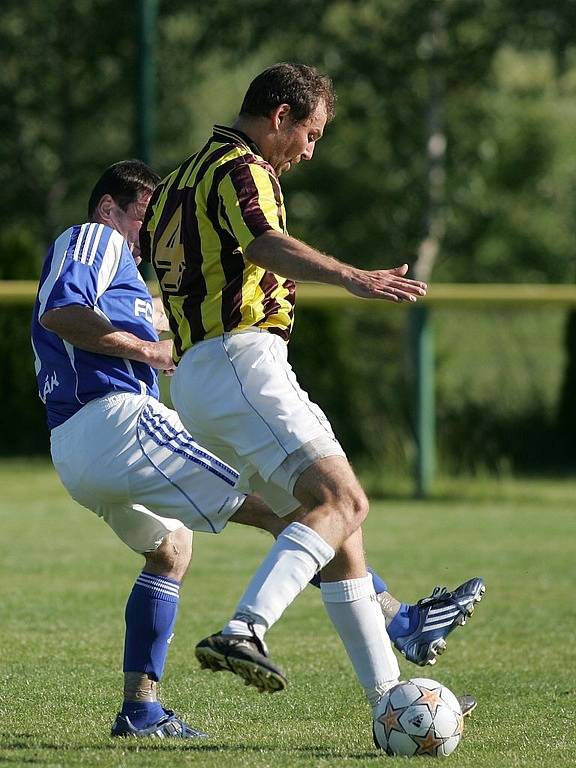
[64, 580]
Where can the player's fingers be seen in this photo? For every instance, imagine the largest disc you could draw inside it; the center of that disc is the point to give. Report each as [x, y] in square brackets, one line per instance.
[400, 292]
[391, 278]
[396, 296]
[415, 286]
[405, 290]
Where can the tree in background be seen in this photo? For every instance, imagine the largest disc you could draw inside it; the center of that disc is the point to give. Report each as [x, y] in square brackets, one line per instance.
[453, 149]
[453, 145]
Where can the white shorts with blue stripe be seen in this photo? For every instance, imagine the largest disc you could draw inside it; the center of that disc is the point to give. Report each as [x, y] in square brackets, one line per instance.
[128, 458]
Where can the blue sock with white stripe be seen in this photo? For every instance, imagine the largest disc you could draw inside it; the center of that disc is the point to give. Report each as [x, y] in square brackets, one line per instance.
[150, 617]
[379, 583]
[405, 621]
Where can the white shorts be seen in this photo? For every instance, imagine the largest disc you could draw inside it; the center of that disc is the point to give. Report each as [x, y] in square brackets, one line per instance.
[128, 458]
[238, 395]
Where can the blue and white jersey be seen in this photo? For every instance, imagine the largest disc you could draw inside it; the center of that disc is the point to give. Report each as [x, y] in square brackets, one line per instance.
[90, 265]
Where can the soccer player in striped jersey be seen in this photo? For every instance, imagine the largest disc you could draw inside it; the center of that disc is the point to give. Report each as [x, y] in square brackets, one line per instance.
[216, 233]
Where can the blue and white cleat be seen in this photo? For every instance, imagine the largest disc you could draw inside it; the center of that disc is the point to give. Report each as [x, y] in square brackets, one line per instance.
[168, 727]
[439, 615]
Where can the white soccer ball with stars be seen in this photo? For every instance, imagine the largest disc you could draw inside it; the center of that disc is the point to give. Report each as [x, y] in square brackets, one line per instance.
[418, 717]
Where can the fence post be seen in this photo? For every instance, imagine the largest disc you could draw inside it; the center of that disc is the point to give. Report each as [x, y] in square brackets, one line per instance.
[422, 345]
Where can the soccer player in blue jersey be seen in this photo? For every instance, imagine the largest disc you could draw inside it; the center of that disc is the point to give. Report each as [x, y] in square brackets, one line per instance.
[117, 449]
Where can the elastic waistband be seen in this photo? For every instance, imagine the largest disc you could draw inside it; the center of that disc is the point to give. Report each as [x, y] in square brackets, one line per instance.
[105, 403]
[233, 332]
[246, 330]
[226, 335]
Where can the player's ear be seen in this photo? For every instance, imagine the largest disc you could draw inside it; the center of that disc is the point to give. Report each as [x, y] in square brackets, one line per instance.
[104, 208]
[279, 114]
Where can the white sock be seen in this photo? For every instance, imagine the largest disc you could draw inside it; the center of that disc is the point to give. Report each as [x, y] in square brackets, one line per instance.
[354, 611]
[295, 557]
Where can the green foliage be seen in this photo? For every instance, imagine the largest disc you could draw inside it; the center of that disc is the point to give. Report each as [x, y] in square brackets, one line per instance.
[511, 214]
[23, 418]
[498, 379]
[66, 112]
[358, 382]
[67, 578]
[499, 76]
[506, 75]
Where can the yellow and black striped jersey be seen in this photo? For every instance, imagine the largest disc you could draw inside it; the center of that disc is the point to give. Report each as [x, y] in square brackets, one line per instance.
[200, 220]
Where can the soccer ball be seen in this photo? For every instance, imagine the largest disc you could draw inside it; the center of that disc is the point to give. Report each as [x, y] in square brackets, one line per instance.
[418, 717]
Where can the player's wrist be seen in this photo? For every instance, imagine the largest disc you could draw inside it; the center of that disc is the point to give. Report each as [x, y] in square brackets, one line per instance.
[158, 354]
[145, 352]
[347, 276]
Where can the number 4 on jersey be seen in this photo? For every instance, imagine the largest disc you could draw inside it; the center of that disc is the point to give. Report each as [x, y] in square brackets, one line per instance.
[169, 254]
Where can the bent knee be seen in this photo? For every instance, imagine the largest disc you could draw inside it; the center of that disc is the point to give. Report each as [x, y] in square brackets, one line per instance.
[346, 511]
[355, 507]
[331, 487]
[172, 557]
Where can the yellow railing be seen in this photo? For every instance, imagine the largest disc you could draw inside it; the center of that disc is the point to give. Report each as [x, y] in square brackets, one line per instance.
[465, 294]
[17, 291]
[422, 340]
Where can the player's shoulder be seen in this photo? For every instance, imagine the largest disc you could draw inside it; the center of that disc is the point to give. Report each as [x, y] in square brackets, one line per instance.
[91, 232]
[234, 149]
[245, 166]
[89, 243]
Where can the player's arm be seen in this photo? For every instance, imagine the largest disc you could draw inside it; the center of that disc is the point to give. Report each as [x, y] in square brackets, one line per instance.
[250, 193]
[293, 259]
[85, 329]
[161, 323]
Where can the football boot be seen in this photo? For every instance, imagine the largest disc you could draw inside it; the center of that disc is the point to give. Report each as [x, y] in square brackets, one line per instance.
[168, 727]
[438, 615]
[246, 657]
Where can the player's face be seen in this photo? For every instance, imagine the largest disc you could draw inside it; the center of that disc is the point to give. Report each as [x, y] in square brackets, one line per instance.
[296, 141]
[128, 222]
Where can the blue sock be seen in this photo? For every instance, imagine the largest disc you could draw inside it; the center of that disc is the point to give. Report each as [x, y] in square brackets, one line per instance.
[150, 616]
[405, 621]
[142, 713]
[379, 584]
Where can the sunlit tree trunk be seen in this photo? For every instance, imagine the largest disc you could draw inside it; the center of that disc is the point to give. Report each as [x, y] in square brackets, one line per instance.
[433, 220]
[421, 348]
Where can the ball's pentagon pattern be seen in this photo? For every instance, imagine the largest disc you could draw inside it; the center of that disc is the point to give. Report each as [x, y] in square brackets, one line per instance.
[418, 717]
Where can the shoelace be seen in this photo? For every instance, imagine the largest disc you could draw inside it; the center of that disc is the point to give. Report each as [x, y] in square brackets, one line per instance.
[256, 640]
[440, 595]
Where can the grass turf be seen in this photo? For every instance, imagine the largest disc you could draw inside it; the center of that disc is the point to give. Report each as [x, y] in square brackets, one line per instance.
[64, 579]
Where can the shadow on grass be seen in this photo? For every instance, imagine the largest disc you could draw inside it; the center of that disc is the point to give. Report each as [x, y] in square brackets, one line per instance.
[21, 742]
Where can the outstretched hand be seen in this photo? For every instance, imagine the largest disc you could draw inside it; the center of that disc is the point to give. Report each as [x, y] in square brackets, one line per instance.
[387, 284]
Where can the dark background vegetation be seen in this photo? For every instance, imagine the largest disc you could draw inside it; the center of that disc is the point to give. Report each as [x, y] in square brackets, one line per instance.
[453, 149]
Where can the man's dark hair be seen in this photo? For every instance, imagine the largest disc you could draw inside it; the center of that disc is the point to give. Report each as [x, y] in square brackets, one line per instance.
[123, 181]
[299, 86]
